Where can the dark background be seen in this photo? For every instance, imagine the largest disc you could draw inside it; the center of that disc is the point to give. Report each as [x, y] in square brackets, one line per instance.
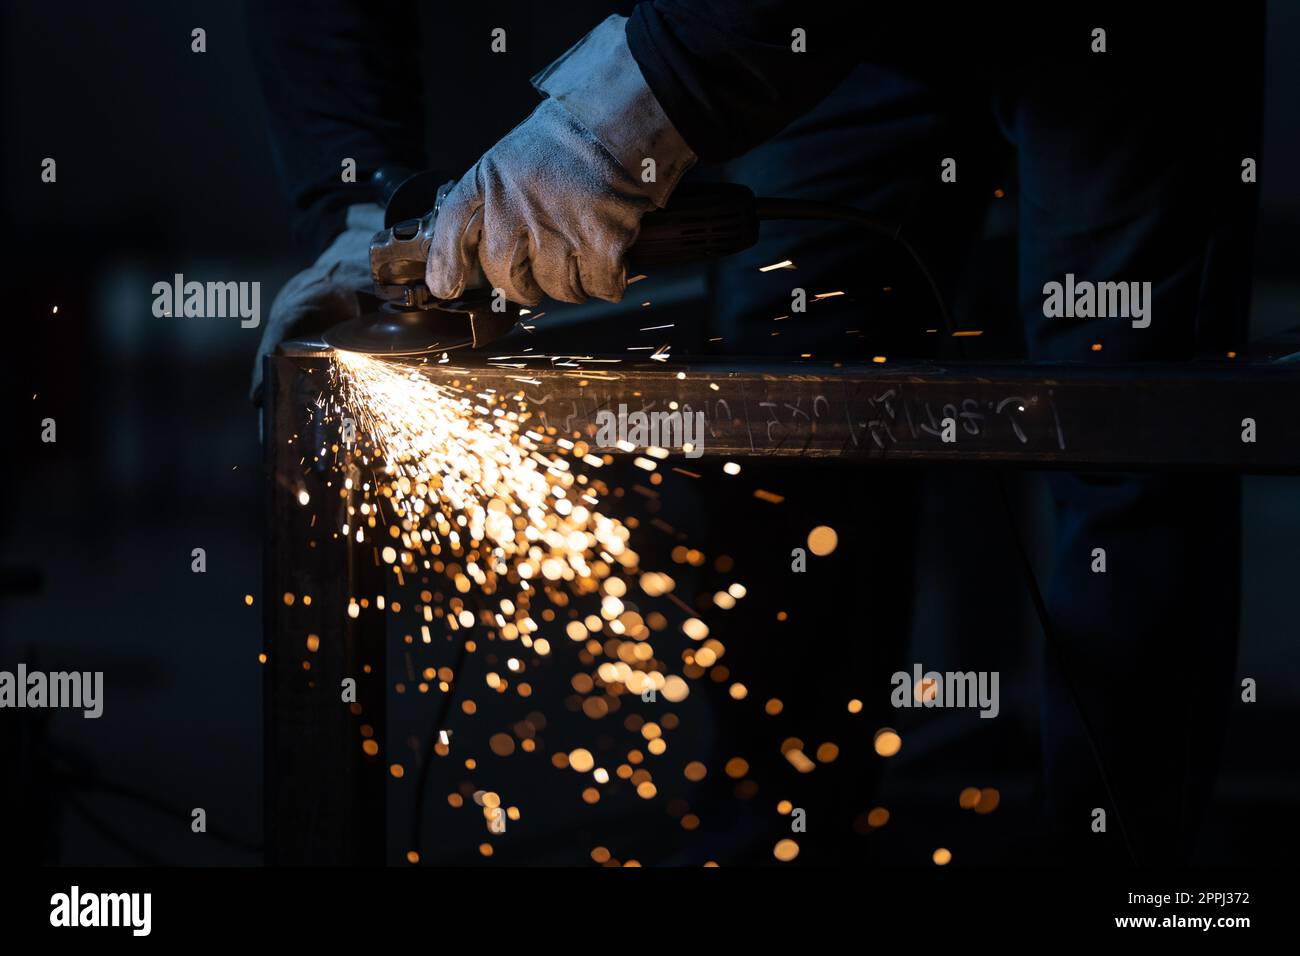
[163, 167]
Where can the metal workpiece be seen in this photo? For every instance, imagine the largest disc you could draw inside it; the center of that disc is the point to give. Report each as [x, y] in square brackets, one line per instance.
[1123, 417]
[324, 792]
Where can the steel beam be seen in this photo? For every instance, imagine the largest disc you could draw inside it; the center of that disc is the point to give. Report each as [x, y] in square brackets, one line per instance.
[1083, 416]
[325, 797]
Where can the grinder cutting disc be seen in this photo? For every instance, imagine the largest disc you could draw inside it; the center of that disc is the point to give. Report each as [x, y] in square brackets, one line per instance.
[401, 330]
[397, 329]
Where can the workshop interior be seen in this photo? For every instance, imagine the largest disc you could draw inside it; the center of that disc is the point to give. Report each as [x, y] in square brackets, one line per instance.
[857, 533]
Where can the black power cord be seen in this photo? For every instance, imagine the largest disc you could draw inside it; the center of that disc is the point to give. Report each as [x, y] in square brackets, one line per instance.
[111, 834]
[812, 210]
[77, 778]
[426, 758]
[1054, 648]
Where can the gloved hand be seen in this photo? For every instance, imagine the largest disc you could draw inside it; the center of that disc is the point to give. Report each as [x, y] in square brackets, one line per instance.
[554, 206]
[324, 294]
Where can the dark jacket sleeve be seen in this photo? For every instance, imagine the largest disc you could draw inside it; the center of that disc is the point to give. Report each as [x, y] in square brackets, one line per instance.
[341, 79]
[725, 72]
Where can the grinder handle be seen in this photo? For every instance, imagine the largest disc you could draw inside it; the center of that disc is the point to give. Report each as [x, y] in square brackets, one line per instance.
[700, 222]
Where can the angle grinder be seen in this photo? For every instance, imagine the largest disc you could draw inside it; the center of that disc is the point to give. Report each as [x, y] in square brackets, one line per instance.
[700, 222]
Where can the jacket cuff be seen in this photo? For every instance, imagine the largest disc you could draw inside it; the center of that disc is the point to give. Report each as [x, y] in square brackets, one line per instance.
[599, 83]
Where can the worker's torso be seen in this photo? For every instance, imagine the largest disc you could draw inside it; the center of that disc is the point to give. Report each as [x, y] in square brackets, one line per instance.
[474, 95]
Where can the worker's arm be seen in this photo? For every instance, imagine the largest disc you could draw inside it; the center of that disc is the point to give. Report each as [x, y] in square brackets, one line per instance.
[327, 292]
[732, 73]
[341, 80]
[553, 208]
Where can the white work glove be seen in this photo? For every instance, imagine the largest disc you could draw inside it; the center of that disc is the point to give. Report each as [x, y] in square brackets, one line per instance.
[553, 207]
[324, 294]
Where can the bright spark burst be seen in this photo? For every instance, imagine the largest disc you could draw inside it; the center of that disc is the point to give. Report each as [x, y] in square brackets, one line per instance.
[485, 496]
[465, 476]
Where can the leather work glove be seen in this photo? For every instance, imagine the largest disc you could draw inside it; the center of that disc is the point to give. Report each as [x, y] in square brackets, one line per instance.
[553, 207]
[325, 293]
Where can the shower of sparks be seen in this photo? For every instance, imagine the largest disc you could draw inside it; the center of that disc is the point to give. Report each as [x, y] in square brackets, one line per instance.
[470, 484]
[445, 479]
[465, 484]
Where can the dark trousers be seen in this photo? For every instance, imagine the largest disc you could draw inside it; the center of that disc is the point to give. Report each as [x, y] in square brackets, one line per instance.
[1124, 165]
